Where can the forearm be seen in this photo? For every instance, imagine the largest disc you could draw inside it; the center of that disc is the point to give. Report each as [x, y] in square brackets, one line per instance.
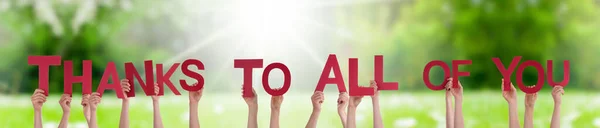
[377, 119]
[458, 115]
[555, 123]
[64, 122]
[449, 114]
[157, 119]
[124, 121]
[312, 122]
[37, 119]
[194, 122]
[351, 123]
[513, 116]
[343, 116]
[528, 121]
[252, 117]
[274, 118]
[93, 121]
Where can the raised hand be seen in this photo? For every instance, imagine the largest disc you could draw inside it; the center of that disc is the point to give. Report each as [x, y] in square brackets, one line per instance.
[449, 110]
[511, 95]
[93, 103]
[530, 100]
[511, 98]
[317, 100]
[458, 98]
[38, 99]
[275, 109]
[529, 103]
[85, 102]
[251, 101]
[156, 91]
[252, 109]
[124, 120]
[126, 88]
[194, 97]
[377, 120]
[342, 104]
[456, 92]
[65, 104]
[557, 93]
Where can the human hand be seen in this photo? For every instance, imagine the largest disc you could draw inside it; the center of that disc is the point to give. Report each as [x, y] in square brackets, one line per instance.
[156, 91]
[85, 102]
[354, 101]
[317, 100]
[126, 88]
[456, 92]
[38, 99]
[276, 102]
[65, 103]
[448, 93]
[94, 100]
[557, 93]
[195, 96]
[511, 95]
[251, 101]
[342, 103]
[373, 85]
[530, 99]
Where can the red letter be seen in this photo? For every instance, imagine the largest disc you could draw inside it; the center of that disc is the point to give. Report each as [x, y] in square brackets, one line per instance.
[540, 82]
[566, 74]
[287, 79]
[428, 69]
[506, 73]
[331, 64]
[381, 85]
[353, 80]
[43, 63]
[247, 65]
[166, 78]
[116, 85]
[131, 71]
[195, 75]
[456, 73]
[85, 79]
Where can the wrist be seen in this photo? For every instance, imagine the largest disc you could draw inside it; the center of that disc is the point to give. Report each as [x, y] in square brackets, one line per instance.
[316, 110]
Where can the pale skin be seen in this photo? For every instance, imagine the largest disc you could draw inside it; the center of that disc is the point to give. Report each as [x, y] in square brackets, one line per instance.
[156, 106]
[94, 101]
[65, 104]
[511, 98]
[449, 111]
[252, 110]
[194, 97]
[377, 120]
[557, 93]
[275, 110]
[85, 102]
[38, 99]
[458, 102]
[317, 100]
[342, 104]
[352, 105]
[124, 121]
[529, 105]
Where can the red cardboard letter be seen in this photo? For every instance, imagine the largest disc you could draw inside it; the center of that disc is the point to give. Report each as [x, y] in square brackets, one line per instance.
[355, 89]
[43, 63]
[85, 79]
[195, 75]
[111, 71]
[331, 64]
[131, 71]
[166, 78]
[247, 65]
[456, 73]
[287, 80]
[566, 73]
[381, 85]
[540, 82]
[506, 73]
[428, 69]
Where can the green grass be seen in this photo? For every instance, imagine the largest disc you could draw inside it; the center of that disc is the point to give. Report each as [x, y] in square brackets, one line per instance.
[425, 110]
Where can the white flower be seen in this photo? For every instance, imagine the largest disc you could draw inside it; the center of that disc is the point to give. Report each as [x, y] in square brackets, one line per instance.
[85, 13]
[44, 12]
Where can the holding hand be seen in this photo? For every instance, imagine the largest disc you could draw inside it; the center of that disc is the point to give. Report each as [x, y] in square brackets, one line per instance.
[530, 100]
[95, 99]
[317, 100]
[342, 103]
[38, 99]
[511, 95]
[194, 95]
[251, 101]
[85, 102]
[156, 91]
[276, 102]
[557, 93]
[126, 88]
[65, 103]
[456, 92]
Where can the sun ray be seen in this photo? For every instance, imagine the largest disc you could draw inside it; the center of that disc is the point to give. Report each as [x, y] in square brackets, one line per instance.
[211, 38]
